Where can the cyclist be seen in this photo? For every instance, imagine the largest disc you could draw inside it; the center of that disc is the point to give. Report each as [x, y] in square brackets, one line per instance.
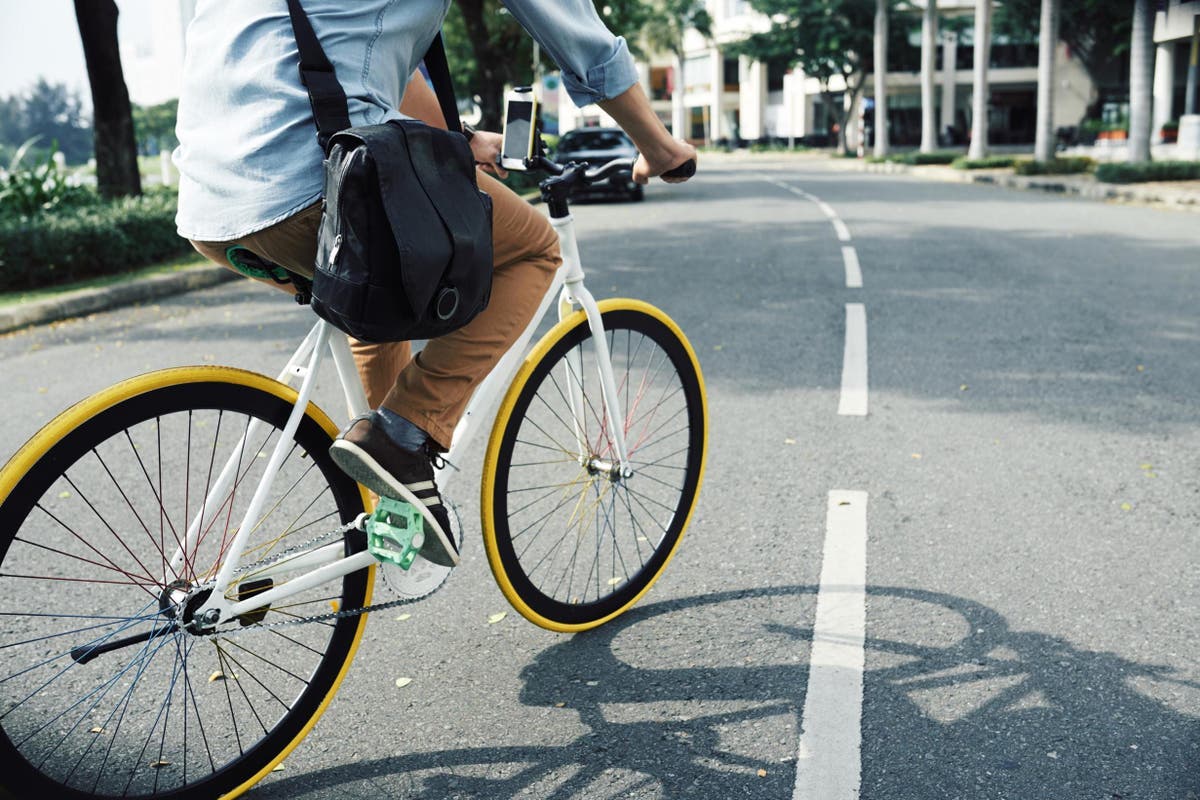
[251, 180]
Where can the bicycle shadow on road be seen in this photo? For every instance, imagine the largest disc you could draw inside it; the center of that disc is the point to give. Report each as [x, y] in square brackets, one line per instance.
[986, 712]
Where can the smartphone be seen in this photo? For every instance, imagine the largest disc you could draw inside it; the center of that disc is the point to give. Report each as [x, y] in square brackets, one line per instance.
[520, 116]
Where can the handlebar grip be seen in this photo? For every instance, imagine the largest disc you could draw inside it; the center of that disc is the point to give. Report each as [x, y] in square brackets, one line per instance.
[685, 170]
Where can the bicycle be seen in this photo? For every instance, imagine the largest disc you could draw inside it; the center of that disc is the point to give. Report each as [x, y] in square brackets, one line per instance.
[176, 512]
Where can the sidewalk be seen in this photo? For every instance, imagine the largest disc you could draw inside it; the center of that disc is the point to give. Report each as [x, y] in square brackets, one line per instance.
[101, 298]
[1175, 195]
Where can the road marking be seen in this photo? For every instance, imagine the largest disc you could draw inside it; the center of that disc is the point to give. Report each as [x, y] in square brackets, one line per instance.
[854, 363]
[829, 763]
[825, 207]
[843, 233]
[853, 270]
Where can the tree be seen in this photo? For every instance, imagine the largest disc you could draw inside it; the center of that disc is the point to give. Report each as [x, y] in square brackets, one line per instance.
[52, 113]
[929, 26]
[155, 126]
[979, 101]
[1043, 146]
[826, 38]
[663, 31]
[1141, 79]
[116, 146]
[881, 68]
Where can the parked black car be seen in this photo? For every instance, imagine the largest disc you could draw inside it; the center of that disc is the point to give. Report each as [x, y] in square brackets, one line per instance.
[599, 146]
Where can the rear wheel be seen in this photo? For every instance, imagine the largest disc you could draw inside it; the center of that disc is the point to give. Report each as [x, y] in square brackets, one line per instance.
[92, 510]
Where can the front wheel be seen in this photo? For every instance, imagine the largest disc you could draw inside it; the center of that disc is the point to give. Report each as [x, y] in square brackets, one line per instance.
[93, 511]
[571, 541]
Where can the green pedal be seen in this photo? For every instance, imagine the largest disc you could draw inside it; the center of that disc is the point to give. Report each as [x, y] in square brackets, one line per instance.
[395, 532]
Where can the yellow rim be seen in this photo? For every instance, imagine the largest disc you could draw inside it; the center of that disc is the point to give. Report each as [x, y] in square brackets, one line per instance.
[70, 419]
[493, 450]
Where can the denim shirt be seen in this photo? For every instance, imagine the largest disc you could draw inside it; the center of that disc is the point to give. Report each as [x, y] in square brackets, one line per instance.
[248, 155]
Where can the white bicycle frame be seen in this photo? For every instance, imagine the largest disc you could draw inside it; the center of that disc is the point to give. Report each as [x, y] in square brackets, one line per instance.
[328, 563]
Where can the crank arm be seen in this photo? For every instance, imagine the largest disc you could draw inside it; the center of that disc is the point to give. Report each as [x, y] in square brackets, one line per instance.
[86, 653]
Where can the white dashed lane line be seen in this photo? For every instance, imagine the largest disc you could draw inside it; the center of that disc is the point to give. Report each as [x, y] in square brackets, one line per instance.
[853, 270]
[829, 763]
[853, 402]
[843, 233]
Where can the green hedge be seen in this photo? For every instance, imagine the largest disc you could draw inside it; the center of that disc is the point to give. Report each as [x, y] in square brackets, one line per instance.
[61, 246]
[917, 158]
[1121, 172]
[991, 162]
[1056, 166]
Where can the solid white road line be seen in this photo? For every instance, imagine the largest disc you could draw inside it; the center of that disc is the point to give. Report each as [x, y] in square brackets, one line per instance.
[853, 401]
[829, 764]
[853, 270]
[843, 233]
[826, 208]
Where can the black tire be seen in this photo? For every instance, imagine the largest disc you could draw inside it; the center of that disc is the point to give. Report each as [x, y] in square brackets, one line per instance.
[91, 510]
[536, 484]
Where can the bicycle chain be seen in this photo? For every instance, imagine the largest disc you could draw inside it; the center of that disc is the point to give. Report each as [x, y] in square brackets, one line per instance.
[340, 614]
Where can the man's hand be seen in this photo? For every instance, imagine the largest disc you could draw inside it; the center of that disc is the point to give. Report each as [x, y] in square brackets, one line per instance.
[667, 157]
[485, 146]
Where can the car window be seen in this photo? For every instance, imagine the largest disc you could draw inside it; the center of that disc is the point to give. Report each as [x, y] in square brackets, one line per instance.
[594, 140]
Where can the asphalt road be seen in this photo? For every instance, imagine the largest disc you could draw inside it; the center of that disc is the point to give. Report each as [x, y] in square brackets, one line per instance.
[1030, 457]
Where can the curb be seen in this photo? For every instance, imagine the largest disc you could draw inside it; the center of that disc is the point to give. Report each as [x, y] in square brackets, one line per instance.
[1159, 195]
[102, 298]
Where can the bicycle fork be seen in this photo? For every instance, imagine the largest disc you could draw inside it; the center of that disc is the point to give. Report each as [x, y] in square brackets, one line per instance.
[576, 296]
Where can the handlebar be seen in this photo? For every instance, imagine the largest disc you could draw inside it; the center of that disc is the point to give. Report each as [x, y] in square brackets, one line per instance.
[605, 171]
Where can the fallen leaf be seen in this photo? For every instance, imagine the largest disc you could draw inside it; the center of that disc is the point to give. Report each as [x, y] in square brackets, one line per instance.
[63, 495]
[97, 729]
[593, 683]
[402, 682]
[614, 581]
[216, 676]
[762, 773]
[1126, 507]
[160, 764]
[962, 388]
[1141, 368]
[917, 456]
[789, 441]
[560, 705]
[1149, 474]
[334, 604]
[718, 347]
[1146, 466]
[494, 618]
[1052, 754]
[278, 768]
[42, 390]
[403, 617]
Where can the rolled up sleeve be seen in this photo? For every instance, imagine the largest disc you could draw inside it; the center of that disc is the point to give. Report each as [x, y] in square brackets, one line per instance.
[595, 64]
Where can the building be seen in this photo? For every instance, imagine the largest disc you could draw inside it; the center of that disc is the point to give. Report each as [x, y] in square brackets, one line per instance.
[726, 98]
[152, 45]
[1176, 39]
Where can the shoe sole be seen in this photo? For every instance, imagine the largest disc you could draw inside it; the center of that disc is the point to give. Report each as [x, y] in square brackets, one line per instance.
[360, 466]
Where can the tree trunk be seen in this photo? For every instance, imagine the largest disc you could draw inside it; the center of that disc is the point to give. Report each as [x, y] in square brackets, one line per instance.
[928, 63]
[679, 128]
[979, 103]
[116, 144]
[1043, 148]
[1141, 79]
[881, 56]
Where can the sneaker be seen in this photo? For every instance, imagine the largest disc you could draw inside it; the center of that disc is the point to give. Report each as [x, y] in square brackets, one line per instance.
[366, 453]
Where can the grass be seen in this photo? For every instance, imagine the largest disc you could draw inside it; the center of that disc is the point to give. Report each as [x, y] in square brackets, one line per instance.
[173, 265]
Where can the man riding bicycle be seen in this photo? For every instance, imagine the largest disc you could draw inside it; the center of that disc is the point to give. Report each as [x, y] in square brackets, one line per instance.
[251, 179]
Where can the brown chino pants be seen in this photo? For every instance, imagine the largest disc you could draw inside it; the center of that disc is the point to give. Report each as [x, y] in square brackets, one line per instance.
[432, 390]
